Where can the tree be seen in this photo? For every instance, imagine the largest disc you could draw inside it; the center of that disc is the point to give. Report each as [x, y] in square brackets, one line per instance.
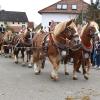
[93, 12]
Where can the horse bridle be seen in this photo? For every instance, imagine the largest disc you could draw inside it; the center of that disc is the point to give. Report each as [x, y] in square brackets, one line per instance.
[67, 40]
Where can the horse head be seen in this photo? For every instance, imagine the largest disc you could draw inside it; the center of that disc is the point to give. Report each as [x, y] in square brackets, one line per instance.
[90, 29]
[66, 33]
[88, 34]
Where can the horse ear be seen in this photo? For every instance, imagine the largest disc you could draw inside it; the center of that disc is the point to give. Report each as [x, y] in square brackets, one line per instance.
[74, 20]
[68, 23]
[88, 22]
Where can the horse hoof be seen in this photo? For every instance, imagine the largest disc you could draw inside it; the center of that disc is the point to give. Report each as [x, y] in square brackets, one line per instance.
[16, 62]
[6, 56]
[23, 64]
[86, 77]
[10, 56]
[75, 78]
[66, 73]
[78, 71]
[55, 78]
[29, 65]
[37, 73]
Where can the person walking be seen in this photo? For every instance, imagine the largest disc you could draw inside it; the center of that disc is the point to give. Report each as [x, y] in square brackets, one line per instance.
[97, 51]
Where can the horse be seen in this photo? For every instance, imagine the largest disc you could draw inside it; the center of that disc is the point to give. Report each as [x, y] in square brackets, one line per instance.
[5, 40]
[21, 42]
[82, 56]
[51, 45]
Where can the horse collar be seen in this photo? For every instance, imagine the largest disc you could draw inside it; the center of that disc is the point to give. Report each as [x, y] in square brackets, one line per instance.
[87, 47]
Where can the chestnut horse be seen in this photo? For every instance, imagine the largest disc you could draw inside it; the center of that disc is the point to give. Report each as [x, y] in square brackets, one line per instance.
[51, 45]
[21, 42]
[82, 56]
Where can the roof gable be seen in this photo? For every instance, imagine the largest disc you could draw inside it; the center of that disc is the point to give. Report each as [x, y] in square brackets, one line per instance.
[53, 8]
[13, 16]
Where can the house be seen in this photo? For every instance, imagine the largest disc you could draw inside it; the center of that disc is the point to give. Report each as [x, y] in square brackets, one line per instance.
[61, 11]
[30, 25]
[14, 20]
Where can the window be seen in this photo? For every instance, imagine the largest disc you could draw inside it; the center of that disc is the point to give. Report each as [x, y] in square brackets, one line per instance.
[5, 23]
[74, 7]
[23, 25]
[23, 22]
[64, 6]
[58, 6]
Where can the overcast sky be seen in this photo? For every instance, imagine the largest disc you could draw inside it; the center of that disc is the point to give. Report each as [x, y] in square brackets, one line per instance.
[31, 7]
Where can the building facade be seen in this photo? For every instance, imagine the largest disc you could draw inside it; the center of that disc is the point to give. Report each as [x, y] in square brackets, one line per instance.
[61, 11]
[14, 20]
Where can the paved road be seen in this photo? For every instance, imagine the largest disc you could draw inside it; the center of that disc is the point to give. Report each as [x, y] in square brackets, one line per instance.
[20, 83]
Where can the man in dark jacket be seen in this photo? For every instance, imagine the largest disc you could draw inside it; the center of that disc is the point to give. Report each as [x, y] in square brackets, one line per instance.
[2, 29]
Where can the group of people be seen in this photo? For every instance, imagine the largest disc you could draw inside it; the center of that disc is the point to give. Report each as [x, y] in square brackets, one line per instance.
[96, 53]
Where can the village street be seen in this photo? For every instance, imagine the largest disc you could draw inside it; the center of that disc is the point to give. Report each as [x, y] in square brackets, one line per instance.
[20, 83]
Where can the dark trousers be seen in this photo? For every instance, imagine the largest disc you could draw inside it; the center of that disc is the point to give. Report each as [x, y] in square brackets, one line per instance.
[97, 60]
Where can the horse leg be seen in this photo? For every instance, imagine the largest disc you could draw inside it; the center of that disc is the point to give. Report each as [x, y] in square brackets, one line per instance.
[12, 50]
[76, 64]
[43, 62]
[65, 63]
[84, 69]
[30, 62]
[37, 67]
[78, 67]
[16, 52]
[29, 58]
[22, 52]
[0, 49]
[27, 53]
[88, 65]
[36, 61]
[55, 62]
[6, 51]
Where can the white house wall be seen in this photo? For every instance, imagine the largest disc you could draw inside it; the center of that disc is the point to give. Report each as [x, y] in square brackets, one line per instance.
[11, 24]
[46, 18]
[2, 23]
[16, 24]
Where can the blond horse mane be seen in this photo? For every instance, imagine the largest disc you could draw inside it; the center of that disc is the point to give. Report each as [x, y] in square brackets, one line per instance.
[61, 27]
[91, 24]
[83, 29]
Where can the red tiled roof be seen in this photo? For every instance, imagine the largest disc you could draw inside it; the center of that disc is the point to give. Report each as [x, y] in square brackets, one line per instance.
[53, 8]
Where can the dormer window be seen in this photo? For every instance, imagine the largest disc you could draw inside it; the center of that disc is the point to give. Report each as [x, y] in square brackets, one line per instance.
[74, 7]
[64, 6]
[58, 6]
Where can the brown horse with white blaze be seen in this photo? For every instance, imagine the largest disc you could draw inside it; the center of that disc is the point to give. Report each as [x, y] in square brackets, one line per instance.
[62, 38]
